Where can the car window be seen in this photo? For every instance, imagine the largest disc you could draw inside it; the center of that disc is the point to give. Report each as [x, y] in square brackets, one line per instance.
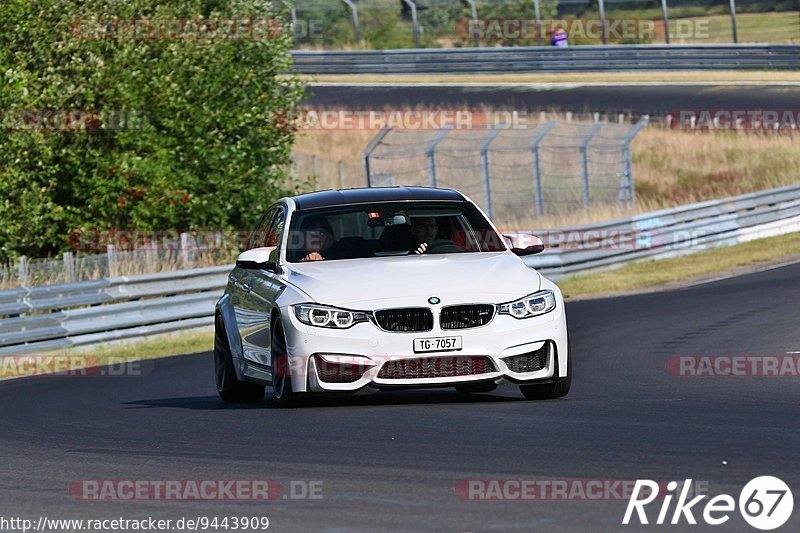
[259, 234]
[390, 229]
[274, 232]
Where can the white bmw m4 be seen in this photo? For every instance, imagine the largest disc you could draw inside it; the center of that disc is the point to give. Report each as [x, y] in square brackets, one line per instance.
[382, 288]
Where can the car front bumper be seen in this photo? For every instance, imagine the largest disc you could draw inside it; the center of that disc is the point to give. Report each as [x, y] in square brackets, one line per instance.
[357, 355]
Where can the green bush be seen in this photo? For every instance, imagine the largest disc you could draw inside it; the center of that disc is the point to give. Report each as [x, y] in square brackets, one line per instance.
[199, 149]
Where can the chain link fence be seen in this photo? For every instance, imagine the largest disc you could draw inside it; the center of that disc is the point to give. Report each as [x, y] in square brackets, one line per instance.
[549, 168]
[384, 24]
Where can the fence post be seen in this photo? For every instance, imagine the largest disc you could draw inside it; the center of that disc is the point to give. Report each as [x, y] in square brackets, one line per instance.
[354, 9]
[431, 152]
[69, 267]
[315, 170]
[537, 170]
[733, 21]
[22, 271]
[111, 258]
[487, 185]
[538, 15]
[293, 13]
[368, 152]
[584, 151]
[666, 20]
[627, 192]
[150, 256]
[474, 18]
[414, 25]
[602, 6]
[341, 175]
[186, 250]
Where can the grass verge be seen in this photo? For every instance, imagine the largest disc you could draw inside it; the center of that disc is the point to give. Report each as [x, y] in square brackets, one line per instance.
[72, 360]
[668, 273]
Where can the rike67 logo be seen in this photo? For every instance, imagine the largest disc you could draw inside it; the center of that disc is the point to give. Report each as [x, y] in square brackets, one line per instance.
[765, 503]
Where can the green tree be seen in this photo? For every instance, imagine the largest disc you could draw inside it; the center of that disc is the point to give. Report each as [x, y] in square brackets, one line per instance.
[185, 134]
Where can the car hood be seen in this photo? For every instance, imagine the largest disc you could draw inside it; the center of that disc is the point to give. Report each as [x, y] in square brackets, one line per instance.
[410, 280]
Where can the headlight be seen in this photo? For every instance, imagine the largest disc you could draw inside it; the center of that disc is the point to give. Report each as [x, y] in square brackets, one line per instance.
[328, 317]
[536, 304]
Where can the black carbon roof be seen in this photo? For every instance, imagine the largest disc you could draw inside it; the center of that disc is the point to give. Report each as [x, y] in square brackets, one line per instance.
[334, 198]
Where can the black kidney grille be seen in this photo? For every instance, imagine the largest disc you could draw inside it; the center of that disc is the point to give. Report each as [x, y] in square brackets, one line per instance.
[466, 316]
[405, 319]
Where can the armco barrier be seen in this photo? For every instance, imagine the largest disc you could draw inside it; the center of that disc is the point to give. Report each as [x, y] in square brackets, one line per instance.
[113, 308]
[41, 318]
[549, 59]
[669, 232]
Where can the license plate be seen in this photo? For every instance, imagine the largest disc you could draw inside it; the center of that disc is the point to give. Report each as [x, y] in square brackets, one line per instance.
[437, 344]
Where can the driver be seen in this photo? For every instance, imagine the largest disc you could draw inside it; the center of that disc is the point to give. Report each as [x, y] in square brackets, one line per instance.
[424, 231]
[318, 237]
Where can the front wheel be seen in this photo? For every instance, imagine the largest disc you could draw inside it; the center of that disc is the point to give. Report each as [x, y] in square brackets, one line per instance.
[229, 388]
[556, 388]
[281, 373]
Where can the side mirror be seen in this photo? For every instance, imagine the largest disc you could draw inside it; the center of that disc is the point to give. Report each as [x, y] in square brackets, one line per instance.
[257, 259]
[523, 245]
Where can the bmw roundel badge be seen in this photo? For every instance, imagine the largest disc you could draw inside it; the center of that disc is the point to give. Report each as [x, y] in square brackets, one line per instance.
[433, 300]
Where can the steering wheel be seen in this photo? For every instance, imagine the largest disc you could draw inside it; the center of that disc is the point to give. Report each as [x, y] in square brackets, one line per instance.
[443, 246]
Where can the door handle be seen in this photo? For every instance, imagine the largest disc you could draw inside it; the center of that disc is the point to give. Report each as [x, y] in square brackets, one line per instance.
[246, 287]
[233, 278]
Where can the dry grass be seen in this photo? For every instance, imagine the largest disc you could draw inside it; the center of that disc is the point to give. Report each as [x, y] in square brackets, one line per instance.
[676, 167]
[702, 265]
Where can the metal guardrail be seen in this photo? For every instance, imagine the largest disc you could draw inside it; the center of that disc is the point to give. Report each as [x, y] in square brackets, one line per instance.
[549, 59]
[113, 308]
[43, 318]
[668, 233]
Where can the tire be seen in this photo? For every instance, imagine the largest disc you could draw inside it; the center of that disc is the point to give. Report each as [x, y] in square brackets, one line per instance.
[282, 391]
[476, 388]
[556, 388]
[229, 388]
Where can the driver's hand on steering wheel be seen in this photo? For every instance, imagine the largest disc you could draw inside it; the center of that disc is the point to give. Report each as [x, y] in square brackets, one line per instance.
[421, 248]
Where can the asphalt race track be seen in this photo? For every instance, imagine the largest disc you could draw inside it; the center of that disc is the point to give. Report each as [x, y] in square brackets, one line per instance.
[392, 460]
[636, 99]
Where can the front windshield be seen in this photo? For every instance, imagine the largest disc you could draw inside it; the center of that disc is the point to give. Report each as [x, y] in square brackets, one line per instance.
[389, 229]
